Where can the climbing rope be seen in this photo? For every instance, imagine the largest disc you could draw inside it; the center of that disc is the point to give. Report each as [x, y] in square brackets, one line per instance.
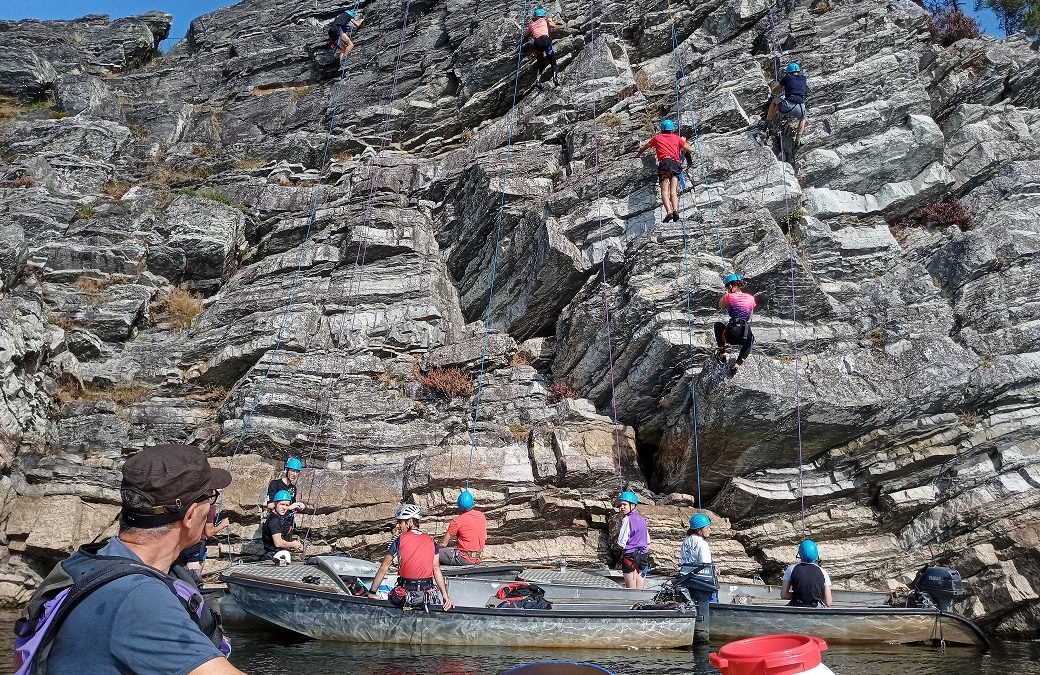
[796, 353]
[494, 255]
[368, 216]
[359, 261]
[335, 94]
[595, 11]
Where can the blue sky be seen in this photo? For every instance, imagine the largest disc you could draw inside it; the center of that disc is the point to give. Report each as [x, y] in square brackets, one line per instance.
[185, 10]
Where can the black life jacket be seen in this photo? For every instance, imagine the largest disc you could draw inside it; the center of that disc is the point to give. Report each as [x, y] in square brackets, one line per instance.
[75, 578]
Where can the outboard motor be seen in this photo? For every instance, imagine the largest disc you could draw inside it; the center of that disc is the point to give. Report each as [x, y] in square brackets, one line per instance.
[936, 586]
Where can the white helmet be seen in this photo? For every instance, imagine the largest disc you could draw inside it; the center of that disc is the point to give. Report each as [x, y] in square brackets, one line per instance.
[407, 511]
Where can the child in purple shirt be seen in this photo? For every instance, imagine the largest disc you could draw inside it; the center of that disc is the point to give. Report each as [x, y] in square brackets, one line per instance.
[740, 305]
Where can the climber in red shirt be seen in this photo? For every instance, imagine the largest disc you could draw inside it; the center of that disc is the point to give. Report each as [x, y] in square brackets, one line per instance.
[669, 145]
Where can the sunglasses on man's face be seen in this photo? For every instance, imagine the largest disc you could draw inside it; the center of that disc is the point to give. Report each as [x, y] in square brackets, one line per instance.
[212, 496]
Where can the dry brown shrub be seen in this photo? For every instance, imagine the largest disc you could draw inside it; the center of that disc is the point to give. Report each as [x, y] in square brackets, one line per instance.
[24, 181]
[448, 382]
[62, 321]
[522, 358]
[561, 390]
[201, 151]
[938, 214]
[94, 285]
[642, 80]
[953, 25]
[58, 115]
[116, 188]
[247, 163]
[121, 394]
[178, 307]
[521, 432]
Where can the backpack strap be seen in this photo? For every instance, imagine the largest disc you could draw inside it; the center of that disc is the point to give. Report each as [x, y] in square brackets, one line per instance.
[85, 586]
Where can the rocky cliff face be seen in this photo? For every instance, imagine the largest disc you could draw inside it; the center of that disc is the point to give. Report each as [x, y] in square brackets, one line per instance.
[163, 280]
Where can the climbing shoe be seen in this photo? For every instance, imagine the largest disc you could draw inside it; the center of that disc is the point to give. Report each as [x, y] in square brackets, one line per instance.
[675, 216]
[720, 354]
[762, 124]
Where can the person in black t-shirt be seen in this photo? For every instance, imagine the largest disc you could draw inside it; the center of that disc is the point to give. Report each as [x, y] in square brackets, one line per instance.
[795, 87]
[289, 482]
[806, 584]
[277, 534]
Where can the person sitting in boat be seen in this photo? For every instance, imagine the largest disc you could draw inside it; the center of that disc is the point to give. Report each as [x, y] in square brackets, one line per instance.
[470, 530]
[806, 584]
[695, 561]
[418, 563]
[634, 540]
[278, 533]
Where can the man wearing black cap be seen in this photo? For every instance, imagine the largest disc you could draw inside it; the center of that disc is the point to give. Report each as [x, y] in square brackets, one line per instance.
[135, 623]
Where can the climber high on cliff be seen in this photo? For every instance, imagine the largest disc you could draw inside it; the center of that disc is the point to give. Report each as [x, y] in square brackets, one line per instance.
[339, 32]
[740, 305]
[795, 88]
[669, 145]
[541, 46]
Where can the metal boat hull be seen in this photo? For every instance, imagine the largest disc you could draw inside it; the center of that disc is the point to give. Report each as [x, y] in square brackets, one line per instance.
[335, 616]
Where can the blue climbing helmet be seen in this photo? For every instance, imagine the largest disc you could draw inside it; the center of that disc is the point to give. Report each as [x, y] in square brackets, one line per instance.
[699, 521]
[733, 278]
[630, 497]
[282, 496]
[466, 500]
[667, 124]
[793, 68]
[294, 463]
[807, 551]
[350, 13]
[539, 13]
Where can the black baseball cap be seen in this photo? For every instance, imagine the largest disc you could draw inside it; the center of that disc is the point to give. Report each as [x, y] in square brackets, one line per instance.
[169, 478]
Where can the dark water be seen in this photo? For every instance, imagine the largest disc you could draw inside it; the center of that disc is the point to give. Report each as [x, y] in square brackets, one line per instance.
[276, 652]
[272, 653]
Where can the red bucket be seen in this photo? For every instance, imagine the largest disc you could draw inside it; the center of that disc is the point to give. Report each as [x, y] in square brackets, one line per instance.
[769, 655]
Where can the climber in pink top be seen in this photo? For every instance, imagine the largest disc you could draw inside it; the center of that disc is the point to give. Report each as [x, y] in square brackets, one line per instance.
[670, 147]
[740, 305]
[542, 46]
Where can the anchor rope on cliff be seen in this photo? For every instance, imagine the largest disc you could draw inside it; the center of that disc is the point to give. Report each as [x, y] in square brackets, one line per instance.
[594, 10]
[680, 82]
[796, 353]
[504, 176]
[359, 263]
[335, 95]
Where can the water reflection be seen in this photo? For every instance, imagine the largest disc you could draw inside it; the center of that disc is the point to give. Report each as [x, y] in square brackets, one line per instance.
[274, 653]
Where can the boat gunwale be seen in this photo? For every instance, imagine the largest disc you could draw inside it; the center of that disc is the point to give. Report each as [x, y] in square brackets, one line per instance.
[627, 613]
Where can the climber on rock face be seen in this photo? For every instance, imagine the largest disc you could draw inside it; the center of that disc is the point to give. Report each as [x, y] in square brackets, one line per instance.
[740, 305]
[541, 46]
[339, 32]
[795, 88]
[669, 146]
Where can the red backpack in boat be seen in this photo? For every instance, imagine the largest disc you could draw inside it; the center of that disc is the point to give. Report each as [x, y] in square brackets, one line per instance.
[522, 595]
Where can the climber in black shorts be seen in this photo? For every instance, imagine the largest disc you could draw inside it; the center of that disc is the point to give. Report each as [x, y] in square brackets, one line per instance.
[542, 46]
[339, 32]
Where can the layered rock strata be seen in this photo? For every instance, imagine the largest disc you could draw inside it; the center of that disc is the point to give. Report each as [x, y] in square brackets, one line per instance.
[164, 279]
